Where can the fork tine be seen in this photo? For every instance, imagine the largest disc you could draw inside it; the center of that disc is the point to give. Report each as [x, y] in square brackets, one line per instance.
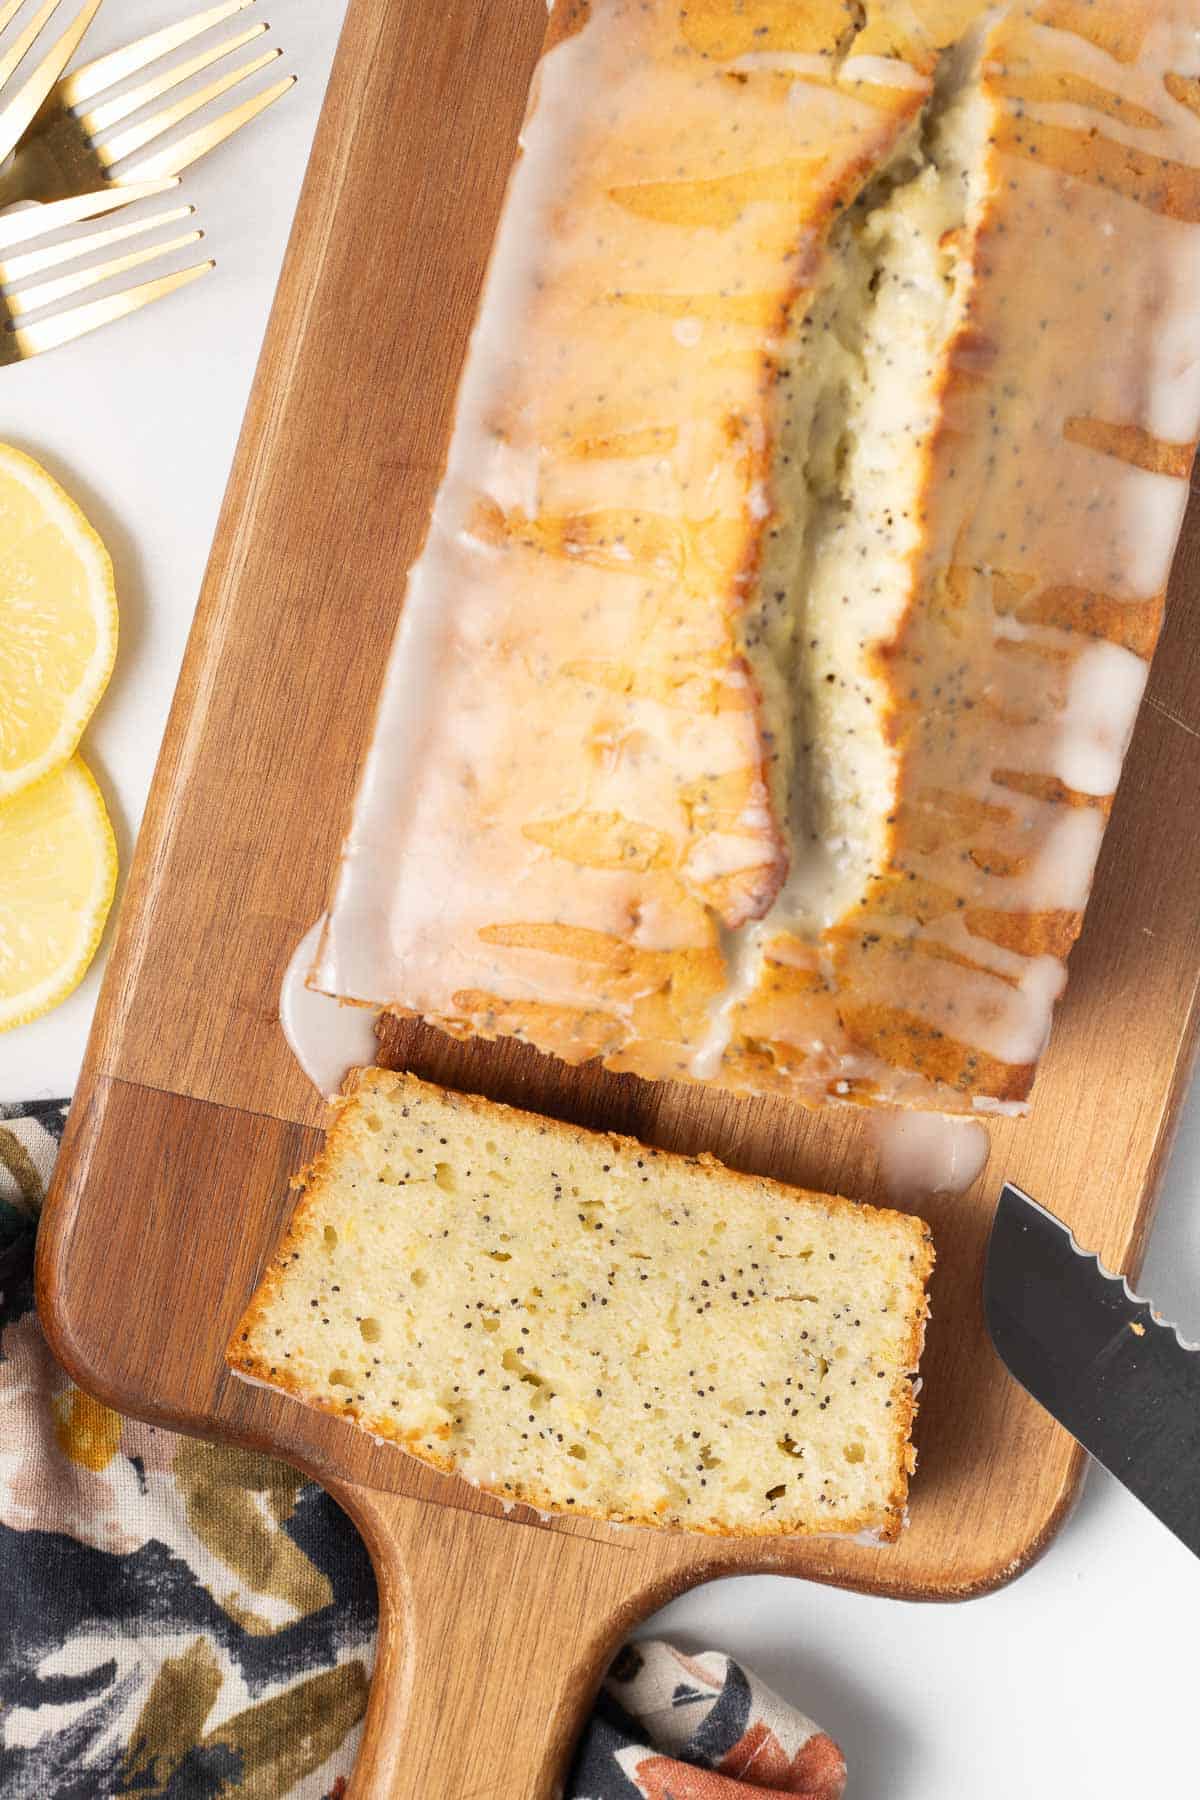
[111, 112]
[48, 334]
[8, 12]
[133, 138]
[38, 221]
[17, 268]
[19, 48]
[177, 157]
[15, 117]
[92, 79]
[62, 287]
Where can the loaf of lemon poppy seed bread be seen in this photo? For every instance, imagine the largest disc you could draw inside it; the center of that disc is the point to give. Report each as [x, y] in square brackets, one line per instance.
[573, 1320]
[762, 688]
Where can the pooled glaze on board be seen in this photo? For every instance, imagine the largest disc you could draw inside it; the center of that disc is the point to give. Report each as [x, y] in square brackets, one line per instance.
[564, 831]
[924, 1153]
[327, 1037]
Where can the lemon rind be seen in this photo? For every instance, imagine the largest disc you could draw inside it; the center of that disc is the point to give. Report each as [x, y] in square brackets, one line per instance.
[80, 531]
[89, 807]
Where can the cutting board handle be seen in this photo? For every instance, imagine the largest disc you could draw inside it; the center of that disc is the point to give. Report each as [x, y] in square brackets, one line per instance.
[493, 1636]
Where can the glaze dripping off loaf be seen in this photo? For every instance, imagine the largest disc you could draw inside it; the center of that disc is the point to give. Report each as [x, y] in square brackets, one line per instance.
[761, 691]
[572, 1320]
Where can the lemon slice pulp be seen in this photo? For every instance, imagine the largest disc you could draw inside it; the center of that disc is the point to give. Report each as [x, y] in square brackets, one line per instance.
[58, 622]
[58, 869]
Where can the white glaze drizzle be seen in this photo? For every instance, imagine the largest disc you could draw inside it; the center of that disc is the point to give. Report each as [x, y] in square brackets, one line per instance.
[327, 1037]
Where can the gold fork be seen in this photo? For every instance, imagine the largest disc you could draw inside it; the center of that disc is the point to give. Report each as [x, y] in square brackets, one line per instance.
[69, 150]
[18, 109]
[28, 285]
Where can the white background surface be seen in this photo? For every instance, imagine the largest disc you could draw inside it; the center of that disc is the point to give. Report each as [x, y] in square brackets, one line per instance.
[1077, 1681]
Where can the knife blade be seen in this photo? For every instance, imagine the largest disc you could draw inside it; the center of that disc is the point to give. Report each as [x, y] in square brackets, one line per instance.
[1098, 1358]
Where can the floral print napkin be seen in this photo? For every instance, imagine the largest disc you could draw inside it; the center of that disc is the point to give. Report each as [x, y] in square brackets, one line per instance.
[673, 1727]
[193, 1621]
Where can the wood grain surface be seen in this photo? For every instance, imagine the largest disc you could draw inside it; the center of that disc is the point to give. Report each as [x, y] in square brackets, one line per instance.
[191, 1116]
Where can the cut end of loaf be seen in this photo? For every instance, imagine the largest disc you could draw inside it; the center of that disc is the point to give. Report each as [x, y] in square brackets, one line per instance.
[575, 1321]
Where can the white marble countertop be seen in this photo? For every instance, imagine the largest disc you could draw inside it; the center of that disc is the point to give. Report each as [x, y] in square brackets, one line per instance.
[1076, 1680]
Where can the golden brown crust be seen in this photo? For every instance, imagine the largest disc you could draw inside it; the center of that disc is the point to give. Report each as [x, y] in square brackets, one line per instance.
[245, 1361]
[915, 32]
[1185, 89]
[566, 18]
[723, 32]
[1119, 29]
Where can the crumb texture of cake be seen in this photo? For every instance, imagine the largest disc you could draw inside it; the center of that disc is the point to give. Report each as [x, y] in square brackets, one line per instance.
[763, 685]
[573, 1320]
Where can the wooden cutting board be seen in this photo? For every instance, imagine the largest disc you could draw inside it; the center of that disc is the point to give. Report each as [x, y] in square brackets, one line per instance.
[192, 1115]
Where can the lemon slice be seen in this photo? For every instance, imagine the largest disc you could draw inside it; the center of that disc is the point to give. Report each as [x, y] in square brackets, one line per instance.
[58, 868]
[58, 622]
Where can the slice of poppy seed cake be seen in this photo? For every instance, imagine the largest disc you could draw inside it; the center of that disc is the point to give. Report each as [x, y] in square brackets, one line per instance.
[574, 1320]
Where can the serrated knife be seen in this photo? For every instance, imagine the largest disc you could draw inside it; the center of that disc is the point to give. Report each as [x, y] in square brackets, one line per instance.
[1098, 1358]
